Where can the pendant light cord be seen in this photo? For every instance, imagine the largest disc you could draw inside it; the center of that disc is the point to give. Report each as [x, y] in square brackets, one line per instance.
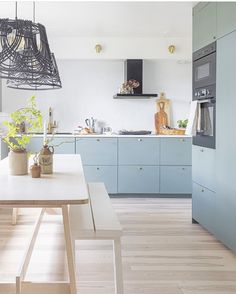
[16, 10]
[34, 11]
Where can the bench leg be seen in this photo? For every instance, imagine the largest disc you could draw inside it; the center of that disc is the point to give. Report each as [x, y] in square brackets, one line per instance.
[14, 216]
[69, 249]
[118, 266]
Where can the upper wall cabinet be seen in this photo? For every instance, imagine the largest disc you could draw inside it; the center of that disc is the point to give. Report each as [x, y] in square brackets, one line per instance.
[226, 20]
[204, 24]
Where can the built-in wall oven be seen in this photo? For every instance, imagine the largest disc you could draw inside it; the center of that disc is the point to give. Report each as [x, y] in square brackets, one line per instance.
[204, 91]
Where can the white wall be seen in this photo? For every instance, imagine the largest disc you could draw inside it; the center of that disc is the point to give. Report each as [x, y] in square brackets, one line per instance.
[89, 86]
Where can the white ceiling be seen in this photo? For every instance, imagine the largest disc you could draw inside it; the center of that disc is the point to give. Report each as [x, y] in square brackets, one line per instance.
[107, 19]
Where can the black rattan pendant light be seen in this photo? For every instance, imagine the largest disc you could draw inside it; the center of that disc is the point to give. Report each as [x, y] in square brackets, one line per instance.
[25, 57]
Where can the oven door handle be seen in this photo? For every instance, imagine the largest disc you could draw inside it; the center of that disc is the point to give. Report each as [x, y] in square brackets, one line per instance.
[207, 101]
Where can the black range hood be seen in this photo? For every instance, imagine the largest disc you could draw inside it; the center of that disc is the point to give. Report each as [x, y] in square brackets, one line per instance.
[134, 70]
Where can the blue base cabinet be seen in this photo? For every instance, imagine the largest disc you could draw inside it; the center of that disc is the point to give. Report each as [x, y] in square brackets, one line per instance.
[138, 151]
[175, 179]
[97, 151]
[204, 207]
[62, 145]
[105, 174]
[138, 179]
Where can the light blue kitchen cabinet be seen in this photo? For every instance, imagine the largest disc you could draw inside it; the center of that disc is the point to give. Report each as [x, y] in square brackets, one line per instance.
[204, 207]
[138, 151]
[97, 151]
[3, 149]
[204, 24]
[176, 151]
[204, 167]
[226, 20]
[226, 140]
[105, 174]
[175, 179]
[62, 145]
[138, 179]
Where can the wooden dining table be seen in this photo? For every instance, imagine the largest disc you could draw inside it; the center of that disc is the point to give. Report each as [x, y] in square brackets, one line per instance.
[65, 187]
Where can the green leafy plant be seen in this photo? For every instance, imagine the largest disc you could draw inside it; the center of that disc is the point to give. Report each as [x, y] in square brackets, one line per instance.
[31, 118]
[182, 123]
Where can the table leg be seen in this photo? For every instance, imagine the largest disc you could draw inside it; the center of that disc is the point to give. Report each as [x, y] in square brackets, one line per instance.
[69, 249]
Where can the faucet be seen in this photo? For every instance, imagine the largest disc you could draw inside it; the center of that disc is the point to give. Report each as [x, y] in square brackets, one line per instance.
[52, 125]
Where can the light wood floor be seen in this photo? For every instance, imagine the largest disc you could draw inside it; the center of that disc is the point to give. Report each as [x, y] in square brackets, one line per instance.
[163, 252]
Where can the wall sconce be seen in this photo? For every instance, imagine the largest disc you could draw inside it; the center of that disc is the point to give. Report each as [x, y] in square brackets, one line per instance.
[98, 48]
[171, 49]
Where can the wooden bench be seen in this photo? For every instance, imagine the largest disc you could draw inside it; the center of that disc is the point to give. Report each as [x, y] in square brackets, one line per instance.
[97, 220]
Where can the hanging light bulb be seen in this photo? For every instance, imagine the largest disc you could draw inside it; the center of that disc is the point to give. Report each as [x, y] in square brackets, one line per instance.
[25, 59]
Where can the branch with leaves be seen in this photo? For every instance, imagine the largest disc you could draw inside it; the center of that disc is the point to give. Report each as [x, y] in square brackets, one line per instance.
[29, 116]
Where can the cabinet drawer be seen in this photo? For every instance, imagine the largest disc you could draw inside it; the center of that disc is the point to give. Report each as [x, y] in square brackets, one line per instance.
[203, 207]
[138, 179]
[104, 174]
[138, 151]
[62, 145]
[97, 151]
[175, 179]
[204, 166]
[176, 151]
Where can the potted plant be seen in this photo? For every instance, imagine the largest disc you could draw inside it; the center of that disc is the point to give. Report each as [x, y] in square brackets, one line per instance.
[24, 122]
[182, 124]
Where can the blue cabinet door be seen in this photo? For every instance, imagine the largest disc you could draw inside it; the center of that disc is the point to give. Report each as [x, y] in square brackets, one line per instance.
[35, 145]
[204, 25]
[204, 207]
[176, 151]
[138, 179]
[204, 167]
[97, 151]
[226, 20]
[104, 174]
[175, 179]
[138, 151]
[62, 145]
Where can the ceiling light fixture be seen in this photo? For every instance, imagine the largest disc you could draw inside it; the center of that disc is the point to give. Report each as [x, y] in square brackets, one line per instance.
[25, 59]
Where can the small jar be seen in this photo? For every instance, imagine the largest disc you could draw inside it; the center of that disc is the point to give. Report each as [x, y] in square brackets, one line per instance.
[46, 159]
[35, 170]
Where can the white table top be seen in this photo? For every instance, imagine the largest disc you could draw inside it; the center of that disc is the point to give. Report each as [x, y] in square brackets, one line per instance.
[65, 186]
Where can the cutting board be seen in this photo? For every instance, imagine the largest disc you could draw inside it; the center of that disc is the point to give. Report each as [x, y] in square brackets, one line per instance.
[162, 116]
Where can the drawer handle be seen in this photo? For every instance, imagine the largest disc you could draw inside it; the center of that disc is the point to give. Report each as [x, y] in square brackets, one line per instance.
[182, 140]
[203, 190]
[201, 150]
[140, 140]
[98, 140]
[140, 168]
[98, 168]
[183, 168]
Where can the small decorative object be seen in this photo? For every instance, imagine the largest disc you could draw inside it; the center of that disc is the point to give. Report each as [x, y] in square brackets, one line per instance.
[129, 86]
[98, 48]
[162, 116]
[35, 169]
[17, 140]
[46, 159]
[182, 123]
[171, 49]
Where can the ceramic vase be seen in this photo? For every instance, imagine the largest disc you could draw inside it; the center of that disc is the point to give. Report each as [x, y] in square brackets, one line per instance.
[18, 163]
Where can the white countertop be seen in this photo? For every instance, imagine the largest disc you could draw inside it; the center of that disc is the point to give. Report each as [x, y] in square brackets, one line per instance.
[113, 136]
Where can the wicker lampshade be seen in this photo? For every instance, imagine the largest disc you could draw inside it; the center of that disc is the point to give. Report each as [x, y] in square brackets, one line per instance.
[25, 58]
